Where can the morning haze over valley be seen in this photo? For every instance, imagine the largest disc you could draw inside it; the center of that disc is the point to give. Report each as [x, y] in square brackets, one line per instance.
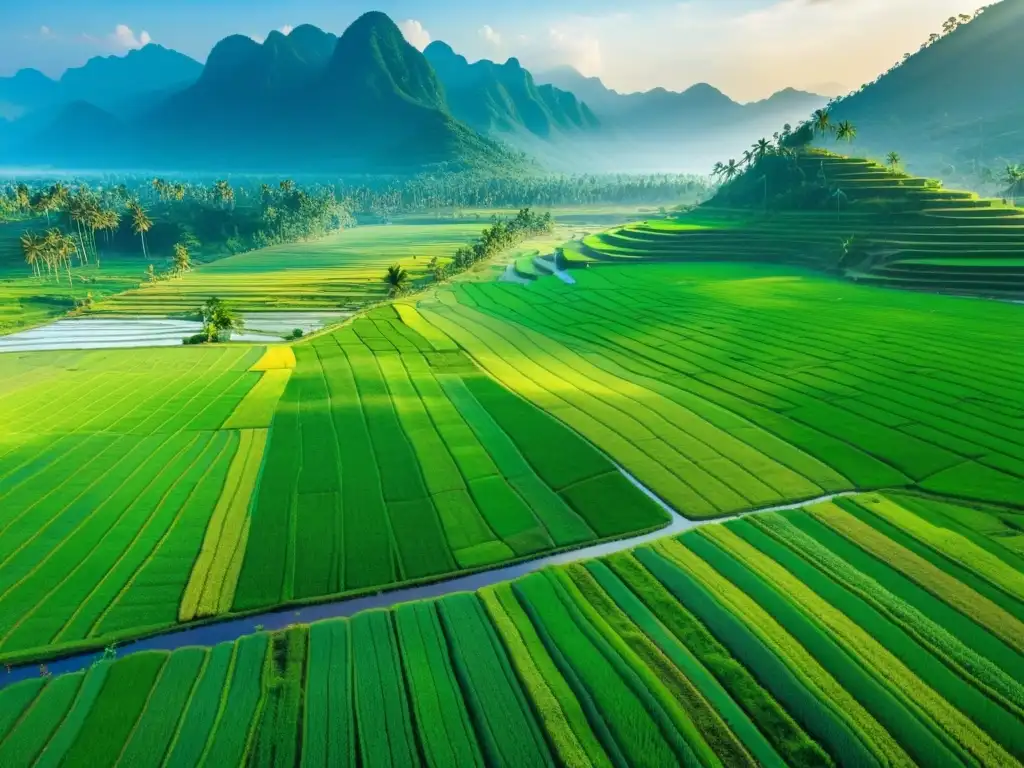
[535, 384]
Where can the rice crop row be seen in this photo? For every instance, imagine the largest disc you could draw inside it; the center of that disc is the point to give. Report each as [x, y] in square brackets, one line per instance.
[389, 460]
[761, 402]
[754, 642]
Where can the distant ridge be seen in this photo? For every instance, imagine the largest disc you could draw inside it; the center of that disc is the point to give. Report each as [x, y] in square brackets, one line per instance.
[106, 81]
[505, 97]
[699, 107]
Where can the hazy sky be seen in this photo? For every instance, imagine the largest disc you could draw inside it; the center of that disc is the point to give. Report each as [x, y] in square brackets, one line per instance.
[747, 48]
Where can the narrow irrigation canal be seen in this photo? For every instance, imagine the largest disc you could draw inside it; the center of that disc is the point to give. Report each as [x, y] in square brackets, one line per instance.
[233, 629]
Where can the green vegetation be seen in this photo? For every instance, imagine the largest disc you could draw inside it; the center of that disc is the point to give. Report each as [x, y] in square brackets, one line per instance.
[716, 648]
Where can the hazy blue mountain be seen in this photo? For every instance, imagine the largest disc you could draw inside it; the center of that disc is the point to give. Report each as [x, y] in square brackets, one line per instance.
[367, 101]
[503, 98]
[111, 82]
[700, 107]
[24, 91]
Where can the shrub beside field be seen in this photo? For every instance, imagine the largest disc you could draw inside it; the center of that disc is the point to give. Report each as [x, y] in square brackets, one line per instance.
[777, 639]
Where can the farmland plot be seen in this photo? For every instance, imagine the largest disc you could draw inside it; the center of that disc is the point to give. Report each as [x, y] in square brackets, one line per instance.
[804, 638]
[721, 389]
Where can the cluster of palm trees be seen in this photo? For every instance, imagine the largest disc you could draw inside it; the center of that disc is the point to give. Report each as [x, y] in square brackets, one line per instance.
[50, 252]
[499, 236]
[820, 123]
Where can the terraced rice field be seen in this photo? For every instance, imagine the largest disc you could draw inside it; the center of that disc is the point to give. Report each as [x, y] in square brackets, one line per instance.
[336, 272]
[883, 629]
[933, 239]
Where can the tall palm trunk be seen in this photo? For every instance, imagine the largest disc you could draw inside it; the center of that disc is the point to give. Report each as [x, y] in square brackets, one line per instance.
[142, 235]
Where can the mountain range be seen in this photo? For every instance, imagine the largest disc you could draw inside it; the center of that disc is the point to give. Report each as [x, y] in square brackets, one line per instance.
[366, 101]
[108, 82]
[697, 108]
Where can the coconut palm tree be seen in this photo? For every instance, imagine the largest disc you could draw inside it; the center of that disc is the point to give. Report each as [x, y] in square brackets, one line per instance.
[761, 148]
[141, 224]
[846, 131]
[822, 121]
[731, 170]
[718, 169]
[1013, 177]
[893, 160]
[397, 279]
[33, 248]
[748, 157]
[58, 248]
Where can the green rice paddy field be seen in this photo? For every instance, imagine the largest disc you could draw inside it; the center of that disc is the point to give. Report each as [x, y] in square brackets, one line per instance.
[486, 423]
[881, 629]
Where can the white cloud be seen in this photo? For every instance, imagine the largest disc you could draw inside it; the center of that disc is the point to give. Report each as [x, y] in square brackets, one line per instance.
[287, 29]
[124, 37]
[45, 31]
[414, 32]
[562, 45]
[490, 35]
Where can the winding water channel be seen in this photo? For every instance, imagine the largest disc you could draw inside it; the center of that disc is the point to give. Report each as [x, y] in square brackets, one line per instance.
[233, 629]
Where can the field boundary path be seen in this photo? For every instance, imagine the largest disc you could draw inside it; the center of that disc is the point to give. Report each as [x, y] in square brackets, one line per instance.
[281, 618]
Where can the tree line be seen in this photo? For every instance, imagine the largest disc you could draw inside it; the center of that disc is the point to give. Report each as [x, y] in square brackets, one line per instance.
[502, 234]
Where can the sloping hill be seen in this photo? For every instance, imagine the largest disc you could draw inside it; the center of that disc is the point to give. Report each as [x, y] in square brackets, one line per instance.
[504, 97]
[848, 216]
[958, 101]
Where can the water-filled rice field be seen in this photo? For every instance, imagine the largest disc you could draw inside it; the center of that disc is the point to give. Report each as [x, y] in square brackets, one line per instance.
[880, 629]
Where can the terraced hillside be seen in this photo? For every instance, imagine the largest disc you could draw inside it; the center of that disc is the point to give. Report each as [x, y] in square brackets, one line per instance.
[881, 629]
[899, 231]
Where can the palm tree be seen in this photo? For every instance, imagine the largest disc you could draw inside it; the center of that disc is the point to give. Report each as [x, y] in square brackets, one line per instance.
[141, 224]
[846, 131]
[718, 169]
[893, 161]
[397, 279]
[761, 148]
[58, 248]
[731, 170]
[748, 157]
[822, 121]
[33, 248]
[1013, 177]
[182, 258]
